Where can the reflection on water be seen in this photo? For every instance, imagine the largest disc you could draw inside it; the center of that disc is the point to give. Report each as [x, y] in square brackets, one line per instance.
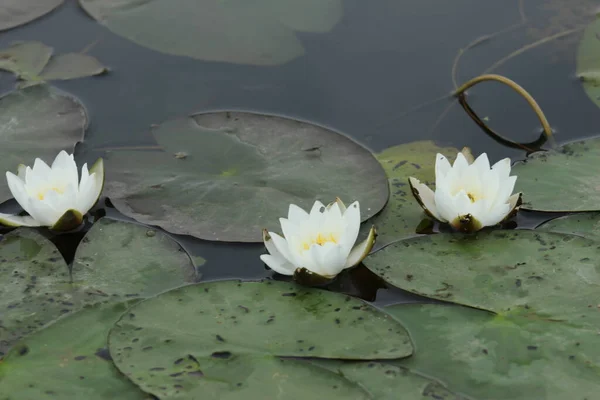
[380, 76]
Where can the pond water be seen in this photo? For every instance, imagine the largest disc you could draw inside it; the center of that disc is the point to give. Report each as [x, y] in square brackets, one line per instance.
[382, 76]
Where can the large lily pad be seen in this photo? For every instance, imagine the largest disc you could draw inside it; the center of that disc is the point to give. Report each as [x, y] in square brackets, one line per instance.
[258, 32]
[402, 214]
[33, 63]
[116, 261]
[487, 356]
[585, 225]
[564, 179]
[588, 61]
[385, 381]
[181, 337]
[66, 361]
[18, 12]
[226, 176]
[554, 276]
[37, 122]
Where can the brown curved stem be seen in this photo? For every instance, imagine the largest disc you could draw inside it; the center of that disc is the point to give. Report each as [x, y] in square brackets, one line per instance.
[517, 88]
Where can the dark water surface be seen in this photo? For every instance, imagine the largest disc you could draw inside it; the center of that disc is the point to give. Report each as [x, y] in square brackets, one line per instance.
[374, 77]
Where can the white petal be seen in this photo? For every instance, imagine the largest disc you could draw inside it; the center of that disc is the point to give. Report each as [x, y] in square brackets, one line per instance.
[444, 204]
[505, 190]
[351, 226]
[40, 169]
[281, 245]
[495, 215]
[85, 175]
[296, 215]
[502, 168]
[460, 164]
[482, 163]
[316, 213]
[361, 250]
[513, 200]
[43, 213]
[17, 220]
[425, 196]
[461, 204]
[288, 228]
[330, 259]
[283, 268]
[19, 192]
[89, 197]
[442, 167]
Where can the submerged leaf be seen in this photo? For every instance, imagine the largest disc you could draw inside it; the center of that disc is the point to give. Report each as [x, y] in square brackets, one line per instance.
[257, 32]
[240, 174]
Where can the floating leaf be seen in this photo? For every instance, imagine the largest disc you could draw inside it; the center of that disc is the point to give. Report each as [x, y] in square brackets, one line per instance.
[37, 122]
[115, 261]
[258, 32]
[551, 275]
[68, 360]
[586, 225]
[226, 176]
[181, 337]
[588, 61]
[32, 62]
[385, 381]
[564, 179]
[402, 214]
[486, 356]
[18, 12]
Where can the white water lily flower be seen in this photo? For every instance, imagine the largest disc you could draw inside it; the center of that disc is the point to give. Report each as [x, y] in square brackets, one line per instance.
[320, 242]
[54, 196]
[469, 195]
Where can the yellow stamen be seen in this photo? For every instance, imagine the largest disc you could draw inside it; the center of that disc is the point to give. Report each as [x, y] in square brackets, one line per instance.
[42, 193]
[320, 240]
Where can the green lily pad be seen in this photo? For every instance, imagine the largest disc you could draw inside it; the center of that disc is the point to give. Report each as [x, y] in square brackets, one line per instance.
[486, 356]
[588, 61]
[66, 361]
[14, 13]
[37, 122]
[384, 381]
[182, 336]
[402, 214]
[259, 32]
[33, 63]
[564, 179]
[227, 175]
[585, 225]
[115, 261]
[551, 275]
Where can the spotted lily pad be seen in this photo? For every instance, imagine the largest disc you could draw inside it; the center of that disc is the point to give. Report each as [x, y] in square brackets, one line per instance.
[258, 32]
[555, 276]
[185, 336]
[38, 121]
[511, 357]
[226, 176]
[586, 225]
[115, 261]
[68, 360]
[14, 13]
[33, 62]
[402, 214]
[564, 179]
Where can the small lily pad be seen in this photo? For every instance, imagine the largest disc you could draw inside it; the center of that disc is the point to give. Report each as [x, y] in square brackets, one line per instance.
[116, 261]
[486, 356]
[240, 174]
[37, 122]
[588, 61]
[563, 179]
[14, 13]
[33, 63]
[586, 225]
[259, 32]
[402, 214]
[68, 360]
[170, 339]
[548, 274]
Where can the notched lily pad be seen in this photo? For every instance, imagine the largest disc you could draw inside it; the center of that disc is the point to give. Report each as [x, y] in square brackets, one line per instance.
[259, 32]
[240, 174]
[33, 63]
[14, 13]
[37, 122]
[553, 276]
[513, 357]
[586, 225]
[402, 215]
[66, 361]
[116, 261]
[564, 179]
[194, 328]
